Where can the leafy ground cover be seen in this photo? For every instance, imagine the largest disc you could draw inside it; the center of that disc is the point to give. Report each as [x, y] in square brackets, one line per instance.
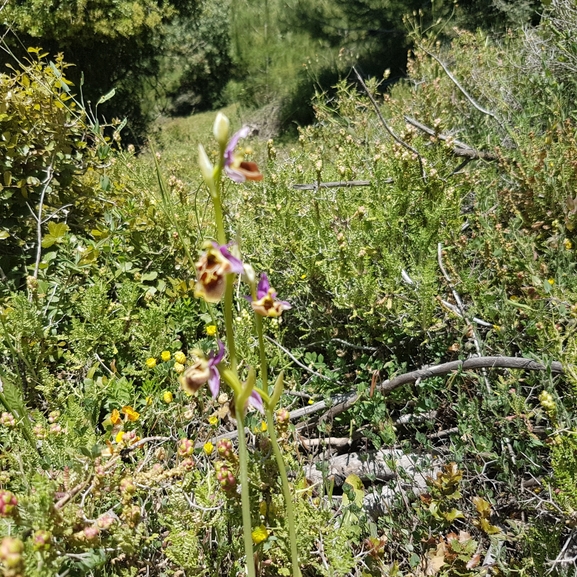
[450, 235]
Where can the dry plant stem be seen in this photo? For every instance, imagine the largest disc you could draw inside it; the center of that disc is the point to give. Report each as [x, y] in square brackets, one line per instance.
[389, 129]
[458, 85]
[77, 488]
[339, 184]
[38, 218]
[461, 307]
[296, 361]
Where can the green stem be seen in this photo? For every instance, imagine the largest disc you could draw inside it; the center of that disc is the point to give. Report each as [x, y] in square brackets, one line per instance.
[245, 492]
[263, 359]
[229, 291]
[277, 453]
[286, 493]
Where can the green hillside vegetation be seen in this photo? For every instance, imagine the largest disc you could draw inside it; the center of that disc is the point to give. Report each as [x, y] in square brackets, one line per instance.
[430, 227]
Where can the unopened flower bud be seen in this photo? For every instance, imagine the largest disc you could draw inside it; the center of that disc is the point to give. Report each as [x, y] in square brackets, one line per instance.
[8, 504]
[42, 540]
[185, 448]
[221, 129]
[225, 450]
[105, 521]
[131, 515]
[206, 167]
[11, 549]
[282, 417]
[91, 533]
[127, 486]
[7, 419]
[225, 478]
[53, 416]
[188, 464]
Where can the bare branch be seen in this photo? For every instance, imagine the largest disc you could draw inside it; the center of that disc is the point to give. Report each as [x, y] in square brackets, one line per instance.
[396, 138]
[460, 149]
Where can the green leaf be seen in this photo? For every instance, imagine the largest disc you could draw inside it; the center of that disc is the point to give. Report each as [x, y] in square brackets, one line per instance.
[56, 233]
[149, 275]
[106, 97]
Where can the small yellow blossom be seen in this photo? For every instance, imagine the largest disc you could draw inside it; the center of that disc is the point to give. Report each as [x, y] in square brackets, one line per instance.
[303, 276]
[179, 368]
[165, 356]
[311, 402]
[149, 401]
[115, 418]
[259, 535]
[119, 436]
[167, 397]
[211, 330]
[130, 413]
[263, 428]
[208, 448]
[551, 281]
[151, 362]
[213, 421]
[567, 244]
[180, 357]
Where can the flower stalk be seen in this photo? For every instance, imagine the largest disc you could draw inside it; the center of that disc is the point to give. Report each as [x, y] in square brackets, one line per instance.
[215, 282]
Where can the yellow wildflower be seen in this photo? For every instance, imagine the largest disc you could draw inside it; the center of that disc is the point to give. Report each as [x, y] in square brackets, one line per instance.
[165, 356]
[119, 436]
[130, 413]
[167, 397]
[179, 368]
[213, 420]
[149, 401]
[180, 357]
[551, 281]
[151, 362]
[208, 448]
[115, 417]
[211, 330]
[259, 535]
[567, 244]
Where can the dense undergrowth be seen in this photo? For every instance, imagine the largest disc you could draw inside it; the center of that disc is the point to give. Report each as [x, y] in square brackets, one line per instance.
[459, 243]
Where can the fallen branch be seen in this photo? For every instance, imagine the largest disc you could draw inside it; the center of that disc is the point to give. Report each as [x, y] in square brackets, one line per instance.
[340, 184]
[471, 364]
[460, 149]
[343, 402]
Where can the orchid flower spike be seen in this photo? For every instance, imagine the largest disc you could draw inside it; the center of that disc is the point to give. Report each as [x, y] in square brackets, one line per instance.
[211, 269]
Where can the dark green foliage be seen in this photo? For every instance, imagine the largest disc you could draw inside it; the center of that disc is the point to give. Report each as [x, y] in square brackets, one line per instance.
[197, 61]
[113, 45]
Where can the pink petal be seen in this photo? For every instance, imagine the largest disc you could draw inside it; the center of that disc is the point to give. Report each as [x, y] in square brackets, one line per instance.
[214, 382]
[256, 401]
